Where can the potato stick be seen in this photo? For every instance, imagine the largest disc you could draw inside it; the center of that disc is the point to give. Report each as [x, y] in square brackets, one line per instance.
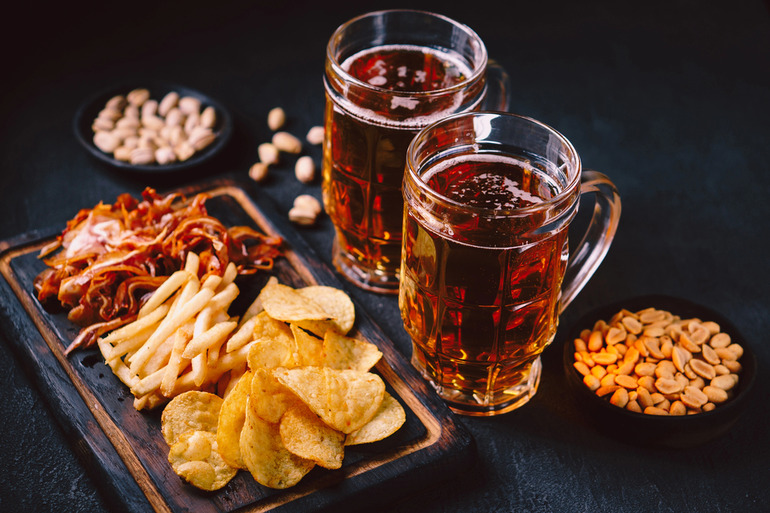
[149, 401]
[159, 358]
[130, 344]
[199, 369]
[169, 325]
[155, 399]
[140, 403]
[244, 333]
[138, 325]
[162, 293]
[175, 362]
[192, 263]
[216, 334]
[212, 354]
[227, 362]
[229, 275]
[212, 282]
[191, 287]
[148, 383]
[118, 367]
[256, 306]
[222, 300]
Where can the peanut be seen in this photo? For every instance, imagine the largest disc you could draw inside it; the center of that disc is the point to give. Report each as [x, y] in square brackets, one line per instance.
[268, 153]
[306, 210]
[258, 172]
[286, 142]
[155, 126]
[302, 217]
[276, 118]
[656, 363]
[304, 169]
[315, 135]
[308, 202]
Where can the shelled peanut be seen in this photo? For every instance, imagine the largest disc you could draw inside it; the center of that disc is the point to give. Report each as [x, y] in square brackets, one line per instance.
[138, 129]
[306, 209]
[655, 362]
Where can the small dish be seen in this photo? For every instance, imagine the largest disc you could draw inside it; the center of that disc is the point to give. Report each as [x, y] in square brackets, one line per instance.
[654, 430]
[90, 109]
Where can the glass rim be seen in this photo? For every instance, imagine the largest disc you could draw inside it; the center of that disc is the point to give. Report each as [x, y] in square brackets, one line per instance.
[412, 169]
[478, 69]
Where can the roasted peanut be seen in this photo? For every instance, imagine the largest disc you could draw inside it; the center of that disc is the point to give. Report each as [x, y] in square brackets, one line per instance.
[591, 381]
[655, 362]
[595, 341]
[725, 382]
[626, 381]
[720, 340]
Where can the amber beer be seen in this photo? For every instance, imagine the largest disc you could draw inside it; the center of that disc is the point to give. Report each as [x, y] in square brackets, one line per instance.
[388, 75]
[485, 253]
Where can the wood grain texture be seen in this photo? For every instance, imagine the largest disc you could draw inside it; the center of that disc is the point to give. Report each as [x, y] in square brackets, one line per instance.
[125, 449]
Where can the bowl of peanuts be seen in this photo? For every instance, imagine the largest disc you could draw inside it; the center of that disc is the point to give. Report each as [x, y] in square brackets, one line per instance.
[153, 127]
[659, 370]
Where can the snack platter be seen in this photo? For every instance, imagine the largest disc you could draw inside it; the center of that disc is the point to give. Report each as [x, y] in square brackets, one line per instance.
[124, 449]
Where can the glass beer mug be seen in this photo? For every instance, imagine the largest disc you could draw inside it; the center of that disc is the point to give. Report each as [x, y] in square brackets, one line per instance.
[389, 74]
[486, 265]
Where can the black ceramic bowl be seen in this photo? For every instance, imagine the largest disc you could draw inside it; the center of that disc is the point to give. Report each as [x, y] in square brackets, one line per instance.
[89, 110]
[654, 430]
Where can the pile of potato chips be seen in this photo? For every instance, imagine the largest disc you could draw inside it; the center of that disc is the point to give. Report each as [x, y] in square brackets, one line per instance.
[296, 388]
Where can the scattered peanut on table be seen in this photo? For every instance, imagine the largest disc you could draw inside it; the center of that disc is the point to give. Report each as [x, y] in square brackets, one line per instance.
[306, 208]
[657, 363]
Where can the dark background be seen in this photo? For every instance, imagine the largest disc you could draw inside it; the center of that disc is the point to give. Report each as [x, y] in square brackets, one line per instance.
[670, 99]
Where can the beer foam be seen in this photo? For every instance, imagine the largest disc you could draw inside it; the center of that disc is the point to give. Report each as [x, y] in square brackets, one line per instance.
[510, 194]
[402, 99]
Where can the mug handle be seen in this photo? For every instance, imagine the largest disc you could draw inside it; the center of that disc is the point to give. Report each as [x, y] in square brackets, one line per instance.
[591, 250]
[498, 88]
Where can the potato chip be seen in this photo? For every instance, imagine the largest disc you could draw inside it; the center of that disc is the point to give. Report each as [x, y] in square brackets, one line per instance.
[268, 398]
[307, 436]
[265, 456]
[267, 327]
[195, 458]
[284, 303]
[336, 303]
[270, 353]
[190, 411]
[232, 416]
[341, 352]
[344, 399]
[388, 419]
[308, 350]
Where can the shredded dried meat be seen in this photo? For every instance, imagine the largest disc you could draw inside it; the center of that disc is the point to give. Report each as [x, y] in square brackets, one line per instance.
[108, 258]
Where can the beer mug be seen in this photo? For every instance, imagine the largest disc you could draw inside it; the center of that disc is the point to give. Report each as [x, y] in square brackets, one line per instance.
[486, 265]
[389, 74]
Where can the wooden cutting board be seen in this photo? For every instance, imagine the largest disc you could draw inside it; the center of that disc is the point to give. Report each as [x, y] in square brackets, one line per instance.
[124, 448]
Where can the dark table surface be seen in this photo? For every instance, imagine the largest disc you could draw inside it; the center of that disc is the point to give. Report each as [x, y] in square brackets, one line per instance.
[671, 99]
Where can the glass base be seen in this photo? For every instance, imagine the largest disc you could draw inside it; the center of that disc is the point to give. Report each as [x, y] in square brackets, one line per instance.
[479, 405]
[374, 280]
